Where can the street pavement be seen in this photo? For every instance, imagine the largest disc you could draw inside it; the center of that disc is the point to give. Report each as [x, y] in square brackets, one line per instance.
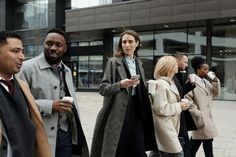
[224, 113]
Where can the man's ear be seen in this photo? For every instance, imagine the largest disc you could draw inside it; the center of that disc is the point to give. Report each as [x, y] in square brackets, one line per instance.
[65, 48]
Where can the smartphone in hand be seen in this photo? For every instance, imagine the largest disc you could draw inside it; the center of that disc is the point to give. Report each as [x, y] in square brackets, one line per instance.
[135, 77]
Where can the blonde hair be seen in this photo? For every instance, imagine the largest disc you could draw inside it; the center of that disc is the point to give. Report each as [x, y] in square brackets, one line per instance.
[165, 66]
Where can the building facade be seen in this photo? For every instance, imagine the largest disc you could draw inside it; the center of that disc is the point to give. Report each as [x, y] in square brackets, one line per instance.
[199, 27]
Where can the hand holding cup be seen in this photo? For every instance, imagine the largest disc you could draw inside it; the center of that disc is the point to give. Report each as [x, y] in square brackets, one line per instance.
[211, 75]
[184, 104]
[151, 86]
[68, 98]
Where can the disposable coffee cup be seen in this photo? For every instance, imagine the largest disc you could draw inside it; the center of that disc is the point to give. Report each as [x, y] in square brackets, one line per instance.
[211, 75]
[184, 101]
[151, 86]
[192, 78]
[68, 98]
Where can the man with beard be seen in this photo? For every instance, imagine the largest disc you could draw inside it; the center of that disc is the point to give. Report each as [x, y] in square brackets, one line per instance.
[50, 80]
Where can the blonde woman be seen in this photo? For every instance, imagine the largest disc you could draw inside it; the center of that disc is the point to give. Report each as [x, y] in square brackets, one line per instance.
[167, 108]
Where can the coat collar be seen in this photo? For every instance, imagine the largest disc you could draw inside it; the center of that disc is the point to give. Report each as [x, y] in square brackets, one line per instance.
[43, 64]
[173, 87]
[121, 68]
[199, 82]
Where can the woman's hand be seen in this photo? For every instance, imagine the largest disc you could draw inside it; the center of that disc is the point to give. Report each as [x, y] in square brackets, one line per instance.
[126, 83]
[184, 106]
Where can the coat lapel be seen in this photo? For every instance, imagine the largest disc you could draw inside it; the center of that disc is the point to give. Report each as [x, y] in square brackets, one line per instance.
[173, 88]
[42, 145]
[121, 68]
[201, 85]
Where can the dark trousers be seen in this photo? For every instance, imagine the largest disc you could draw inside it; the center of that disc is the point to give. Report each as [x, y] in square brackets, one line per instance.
[64, 143]
[164, 154]
[186, 145]
[207, 147]
[183, 136]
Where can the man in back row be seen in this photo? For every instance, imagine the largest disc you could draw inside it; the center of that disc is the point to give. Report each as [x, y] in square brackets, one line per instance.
[50, 80]
[22, 133]
[184, 86]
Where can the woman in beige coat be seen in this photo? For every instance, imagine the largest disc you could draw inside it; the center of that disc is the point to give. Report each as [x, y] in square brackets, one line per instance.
[167, 108]
[201, 100]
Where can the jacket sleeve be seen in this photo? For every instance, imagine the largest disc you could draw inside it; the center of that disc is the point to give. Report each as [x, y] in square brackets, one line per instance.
[109, 84]
[195, 111]
[161, 105]
[188, 87]
[45, 106]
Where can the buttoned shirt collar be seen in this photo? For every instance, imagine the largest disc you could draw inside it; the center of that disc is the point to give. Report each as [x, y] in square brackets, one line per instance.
[5, 86]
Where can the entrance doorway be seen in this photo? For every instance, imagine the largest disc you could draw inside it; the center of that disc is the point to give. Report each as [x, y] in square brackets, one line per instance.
[88, 71]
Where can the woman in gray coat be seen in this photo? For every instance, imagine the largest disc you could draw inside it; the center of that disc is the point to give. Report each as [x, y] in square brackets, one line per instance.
[124, 125]
[201, 101]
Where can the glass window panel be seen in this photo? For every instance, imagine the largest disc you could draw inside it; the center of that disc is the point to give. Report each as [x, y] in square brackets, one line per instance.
[83, 70]
[224, 59]
[95, 70]
[171, 41]
[197, 41]
[84, 44]
[73, 44]
[95, 43]
[33, 50]
[31, 14]
[147, 44]
[148, 63]
[115, 42]
[90, 71]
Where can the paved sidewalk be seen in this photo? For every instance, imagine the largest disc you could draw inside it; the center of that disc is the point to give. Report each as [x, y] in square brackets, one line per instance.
[224, 113]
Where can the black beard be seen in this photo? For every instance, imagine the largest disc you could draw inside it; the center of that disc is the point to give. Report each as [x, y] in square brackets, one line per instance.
[53, 60]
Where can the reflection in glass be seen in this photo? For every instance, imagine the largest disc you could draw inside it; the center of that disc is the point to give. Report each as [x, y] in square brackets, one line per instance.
[224, 59]
[32, 50]
[147, 44]
[169, 42]
[148, 64]
[89, 71]
[31, 14]
[83, 71]
[197, 41]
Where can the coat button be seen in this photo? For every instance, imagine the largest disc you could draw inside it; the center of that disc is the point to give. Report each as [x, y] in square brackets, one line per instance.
[55, 87]
[52, 128]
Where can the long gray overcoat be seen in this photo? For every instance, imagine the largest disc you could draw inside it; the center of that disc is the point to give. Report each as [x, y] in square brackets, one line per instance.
[45, 87]
[111, 117]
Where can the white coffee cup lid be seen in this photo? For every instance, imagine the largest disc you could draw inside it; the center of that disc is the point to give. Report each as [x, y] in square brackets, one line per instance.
[68, 98]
